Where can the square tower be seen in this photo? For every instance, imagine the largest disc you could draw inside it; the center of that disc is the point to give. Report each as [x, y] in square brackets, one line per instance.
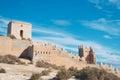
[21, 30]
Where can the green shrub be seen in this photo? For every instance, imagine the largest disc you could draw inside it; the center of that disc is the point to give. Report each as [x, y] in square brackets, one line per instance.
[2, 70]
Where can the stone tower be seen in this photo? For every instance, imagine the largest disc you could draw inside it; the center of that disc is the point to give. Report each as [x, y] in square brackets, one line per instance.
[87, 54]
[21, 30]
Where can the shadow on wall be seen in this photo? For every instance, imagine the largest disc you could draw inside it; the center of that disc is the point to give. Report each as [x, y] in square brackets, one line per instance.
[27, 53]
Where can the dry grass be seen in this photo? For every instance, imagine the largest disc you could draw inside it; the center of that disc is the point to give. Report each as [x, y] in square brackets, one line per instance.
[2, 70]
[94, 74]
[36, 76]
[48, 65]
[10, 59]
[63, 75]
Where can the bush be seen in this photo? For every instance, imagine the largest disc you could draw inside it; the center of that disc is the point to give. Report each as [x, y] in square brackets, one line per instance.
[73, 70]
[35, 76]
[10, 59]
[48, 65]
[42, 64]
[94, 74]
[12, 36]
[2, 70]
[45, 72]
[63, 74]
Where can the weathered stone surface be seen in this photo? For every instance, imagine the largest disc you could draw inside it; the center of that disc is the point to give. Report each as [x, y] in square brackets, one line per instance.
[21, 30]
[87, 54]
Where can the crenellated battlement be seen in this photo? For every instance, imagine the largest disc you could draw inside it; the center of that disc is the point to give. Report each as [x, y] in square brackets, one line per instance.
[109, 68]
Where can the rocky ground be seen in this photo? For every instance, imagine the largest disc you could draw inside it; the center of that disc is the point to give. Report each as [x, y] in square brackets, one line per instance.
[24, 72]
[21, 72]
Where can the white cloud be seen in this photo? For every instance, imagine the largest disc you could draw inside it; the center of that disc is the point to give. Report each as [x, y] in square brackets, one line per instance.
[100, 4]
[116, 3]
[61, 22]
[107, 37]
[4, 20]
[94, 1]
[109, 26]
[47, 31]
[3, 25]
[97, 3]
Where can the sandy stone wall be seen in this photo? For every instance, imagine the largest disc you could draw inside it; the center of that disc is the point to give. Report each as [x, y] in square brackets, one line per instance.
[12, 46]
[56, 55]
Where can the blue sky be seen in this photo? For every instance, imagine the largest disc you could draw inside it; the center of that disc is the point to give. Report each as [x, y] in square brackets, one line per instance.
[70, 23]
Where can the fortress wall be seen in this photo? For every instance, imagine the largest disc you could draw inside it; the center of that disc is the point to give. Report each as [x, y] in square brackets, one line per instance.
[12, 46]
[56, 56]
[60, 59]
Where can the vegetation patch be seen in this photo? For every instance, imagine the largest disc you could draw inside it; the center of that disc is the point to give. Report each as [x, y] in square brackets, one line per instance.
[10, 59]
[94, 74]
[63, 75]
[36, 76]
[12, 36]
[45, 72]
[48, 65]
[2, 70]
[72, 70]
[87, 73]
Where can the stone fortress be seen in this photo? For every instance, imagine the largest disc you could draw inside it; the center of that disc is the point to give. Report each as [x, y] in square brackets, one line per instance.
[22, 46]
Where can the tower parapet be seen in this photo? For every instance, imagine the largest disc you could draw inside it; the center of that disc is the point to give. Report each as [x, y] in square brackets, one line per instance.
[20, 30]
[87, 54]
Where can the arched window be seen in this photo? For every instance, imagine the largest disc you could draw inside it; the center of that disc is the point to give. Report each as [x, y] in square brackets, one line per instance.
[21, 33]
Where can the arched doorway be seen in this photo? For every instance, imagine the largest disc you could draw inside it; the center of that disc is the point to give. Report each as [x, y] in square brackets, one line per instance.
[21, 33]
